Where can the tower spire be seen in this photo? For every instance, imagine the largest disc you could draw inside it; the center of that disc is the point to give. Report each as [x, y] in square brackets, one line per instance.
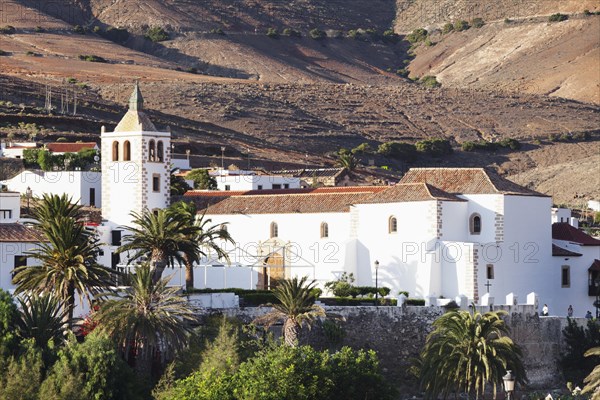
[136, 101]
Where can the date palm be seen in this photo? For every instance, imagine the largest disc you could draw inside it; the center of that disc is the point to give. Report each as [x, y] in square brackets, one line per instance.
[296, 307]
[205, 236]
[592, 381]
[147, 320]
[466, 351]
[67, 253]
[162, 237]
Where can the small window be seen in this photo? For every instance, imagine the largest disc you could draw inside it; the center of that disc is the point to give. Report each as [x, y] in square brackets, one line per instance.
[276, 186]
[160, 151]
[92, 197]
[227, 187]
[20, 261]
[259, 187]
[116, 238]
[392, 225]
[475, 224]
[5, 214]
[286, 185]
[274, 230]
[324, 230]
[151, 150]
[115, 151]
[565, 276]
[490, 271]
[156, 183]
[127, 151]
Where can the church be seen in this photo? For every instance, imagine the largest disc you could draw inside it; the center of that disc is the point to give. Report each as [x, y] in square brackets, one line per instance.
[438, 234]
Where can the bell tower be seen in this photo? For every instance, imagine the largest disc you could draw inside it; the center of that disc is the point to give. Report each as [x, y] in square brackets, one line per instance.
[135, 165]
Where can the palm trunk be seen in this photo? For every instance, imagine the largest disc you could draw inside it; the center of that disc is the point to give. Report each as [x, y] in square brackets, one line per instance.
[70, 304]
[158, 263]
[291, 331]
[189, 273]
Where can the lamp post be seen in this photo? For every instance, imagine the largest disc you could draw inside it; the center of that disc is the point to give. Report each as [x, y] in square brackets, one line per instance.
[222, 160]
[376, 283]
[509, 383]
[28, 194]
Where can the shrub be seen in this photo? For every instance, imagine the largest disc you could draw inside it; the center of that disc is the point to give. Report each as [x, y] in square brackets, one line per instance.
[587, 13]
[403, 72]
[399, 150]
[360, 301]
[373, 34]
[91, 58]
[363, 148]
[461, 25]
[79, 29]
[510, 143]
[117, 35]
[202, 180]
[507, 20]
[217, 31]
[430, 81]
[415, 302]
[354, 34]
[97, 29]
[578, 340]
[558, 17]
[482, 145]
[39, 29]
[317, 34]
[477, 22]
[156, 34]
[447, 28]
[389, 36]
[291, 32]
[30, 54]
[418, 35]
[429, 43]
[434, 147]
[71, 80]
[272, 33]
[7, 29]
[22, 376]
[597, 218]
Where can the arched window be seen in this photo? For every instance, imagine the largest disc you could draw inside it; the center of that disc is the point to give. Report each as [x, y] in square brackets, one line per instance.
[324, 230]
[274, 230]
[115, 151]
[392, 225]
[151, 151]
[475, 224]
[160, 151]
[127, 151]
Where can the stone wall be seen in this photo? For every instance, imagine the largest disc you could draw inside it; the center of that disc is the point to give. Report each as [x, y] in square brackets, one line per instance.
[398, 334]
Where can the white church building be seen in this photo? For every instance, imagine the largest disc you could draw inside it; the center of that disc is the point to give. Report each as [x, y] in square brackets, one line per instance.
[440, 232]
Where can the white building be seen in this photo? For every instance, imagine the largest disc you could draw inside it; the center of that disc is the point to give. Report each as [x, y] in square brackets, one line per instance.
[59, 148]
[563, 215]
[15, 150]
[84, 187]
[250, 180]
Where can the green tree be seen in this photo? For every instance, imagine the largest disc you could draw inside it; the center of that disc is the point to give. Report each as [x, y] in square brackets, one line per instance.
[67, 254]
[8, 320]
[202, 180]
[42, 319]
[399, 150]
[162, 237]
[205, 236]
[592, 381]
[147, 320]
[347, 160]
[156, 34]
[466, 351]
[418, 35]
[296, 307]
[178, 185]
[434, 147]
[23, 374]
[578, 339]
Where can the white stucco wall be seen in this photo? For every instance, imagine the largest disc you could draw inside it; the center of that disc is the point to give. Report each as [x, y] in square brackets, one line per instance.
[8, 251]
[255, 182]
[10, 207]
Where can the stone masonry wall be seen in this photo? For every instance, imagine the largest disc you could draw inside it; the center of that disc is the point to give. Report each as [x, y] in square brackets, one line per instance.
[398, 334]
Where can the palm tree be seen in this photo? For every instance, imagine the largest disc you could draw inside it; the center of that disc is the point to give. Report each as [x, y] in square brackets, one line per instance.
[592, 381]
[297, 307]
[205, 236]
[347, 160]
[465, 351]
[67, 253]
[162, 237]
[42, 319]
[147, 320]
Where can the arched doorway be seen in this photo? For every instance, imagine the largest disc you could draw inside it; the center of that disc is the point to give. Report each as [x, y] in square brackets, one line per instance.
[272, 272]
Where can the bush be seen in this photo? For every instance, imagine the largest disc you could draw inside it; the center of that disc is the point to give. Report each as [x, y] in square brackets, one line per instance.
[156, 34]
[79, 29]
[7, 29]
[70, 80]
[22, 376]
[363, 148]
[272, 33]
[403, 72]
[578, 340]
[30, 54]
[430, 81]
[217, 31]
[117, 35]
[558, 17]
[317, 34]
[354, 34]
[202, 179]
[587, 13]
[447, 28]
[597, 218]
[360, 301]
[415, 302]
[477, 22]
[399, 150]
[418, 35]
[510, 143]
[92, 58]
[434, 147]
[389, 36]
[461, 25]
[39, 29]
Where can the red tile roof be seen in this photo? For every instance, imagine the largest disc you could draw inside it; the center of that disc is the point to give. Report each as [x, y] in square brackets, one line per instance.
[18, 233]
[61, 147]
[466, 181]
[559, 251]
[319, 200]
[567, 232]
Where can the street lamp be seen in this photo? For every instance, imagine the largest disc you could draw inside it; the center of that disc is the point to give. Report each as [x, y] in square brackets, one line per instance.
[222, 155]
[376, 283]
[509, 383]
[28, 194]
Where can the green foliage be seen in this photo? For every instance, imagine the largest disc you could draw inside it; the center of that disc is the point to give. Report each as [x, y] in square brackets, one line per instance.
[507, 20]
[42, 319]
[510, 143]
[484, 145]
[477, 22]
[363, 148]
[403, 72]
[448, 28]
[202, 179]
[558, 17]
[461, 25]
[347, 160]
[217, 31]
[8, 321]
[587, 13]
[291, 32]
[434, 147]
[178, 185]
[317, 34]
[415, 302]
[7, 30]
[334, 331]
[399, 150]
[430, 81]
[31, 54]
[578, 339]
[79, 29]
[354, 34]
[418, 35]
[597, 217]
[341, 286]
[466, 352]
[272, 33]
[156, 34]
[359, 301]
[22, 376]
[92, 58]
[389, 36]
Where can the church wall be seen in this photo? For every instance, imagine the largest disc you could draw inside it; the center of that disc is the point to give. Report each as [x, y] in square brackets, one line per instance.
[487, 206]
[457, 269]
[454, 215]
